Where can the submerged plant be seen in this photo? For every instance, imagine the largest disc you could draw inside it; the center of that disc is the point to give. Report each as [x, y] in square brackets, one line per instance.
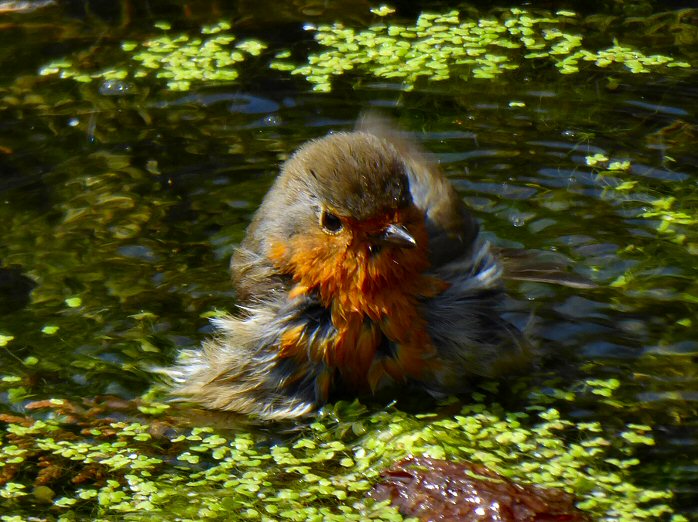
[664, 212]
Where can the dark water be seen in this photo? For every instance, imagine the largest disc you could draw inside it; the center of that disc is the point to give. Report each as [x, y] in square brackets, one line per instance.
[132, 201]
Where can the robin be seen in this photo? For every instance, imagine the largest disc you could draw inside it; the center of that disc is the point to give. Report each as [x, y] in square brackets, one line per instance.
[361, 269]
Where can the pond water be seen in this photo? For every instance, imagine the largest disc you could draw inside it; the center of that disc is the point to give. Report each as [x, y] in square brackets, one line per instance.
[131, 162]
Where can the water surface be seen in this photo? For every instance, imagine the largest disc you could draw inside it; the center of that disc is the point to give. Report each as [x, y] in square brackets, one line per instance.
[121, 200]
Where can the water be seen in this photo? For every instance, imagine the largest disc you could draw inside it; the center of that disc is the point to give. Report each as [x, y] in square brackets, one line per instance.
[130, 197]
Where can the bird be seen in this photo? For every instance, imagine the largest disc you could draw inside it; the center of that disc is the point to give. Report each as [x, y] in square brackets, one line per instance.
[362, 270]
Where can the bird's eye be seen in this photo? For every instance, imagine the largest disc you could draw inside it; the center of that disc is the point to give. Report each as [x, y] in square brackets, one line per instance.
[330, 223]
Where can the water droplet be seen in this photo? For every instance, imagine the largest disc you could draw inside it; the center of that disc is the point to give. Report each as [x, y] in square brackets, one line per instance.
[272, 120]
[116, 88]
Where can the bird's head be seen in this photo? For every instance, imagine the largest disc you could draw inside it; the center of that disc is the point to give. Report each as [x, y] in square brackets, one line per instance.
[341, 221]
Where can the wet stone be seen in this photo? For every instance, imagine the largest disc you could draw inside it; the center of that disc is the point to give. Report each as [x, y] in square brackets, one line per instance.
[439, 490]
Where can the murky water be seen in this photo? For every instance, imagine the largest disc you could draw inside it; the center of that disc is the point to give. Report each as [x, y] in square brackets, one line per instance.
[120, 202]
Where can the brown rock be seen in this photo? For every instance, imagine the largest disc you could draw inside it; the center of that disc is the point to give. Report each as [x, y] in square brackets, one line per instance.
[439, 490]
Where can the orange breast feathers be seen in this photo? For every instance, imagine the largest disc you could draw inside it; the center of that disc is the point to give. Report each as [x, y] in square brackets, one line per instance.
[372, 296]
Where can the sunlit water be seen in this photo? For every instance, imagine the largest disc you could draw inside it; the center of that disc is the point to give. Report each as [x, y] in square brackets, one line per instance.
[132, 202]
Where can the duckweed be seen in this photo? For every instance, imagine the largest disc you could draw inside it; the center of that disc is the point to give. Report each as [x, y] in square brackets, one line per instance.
[132, 468]
[73, 302]
[202, 472]
[437, 47]
[440, 46]
[179, 59]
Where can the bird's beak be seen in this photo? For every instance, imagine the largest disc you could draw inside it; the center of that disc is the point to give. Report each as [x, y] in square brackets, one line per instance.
[397, 236]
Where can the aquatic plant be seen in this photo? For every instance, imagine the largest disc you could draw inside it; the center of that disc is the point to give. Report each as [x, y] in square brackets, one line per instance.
[663, 211]
[97, 266]
[440, 46]
[322, 471]
[178, 59]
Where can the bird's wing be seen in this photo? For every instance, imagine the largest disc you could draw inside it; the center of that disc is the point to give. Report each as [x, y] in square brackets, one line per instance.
[451, 227]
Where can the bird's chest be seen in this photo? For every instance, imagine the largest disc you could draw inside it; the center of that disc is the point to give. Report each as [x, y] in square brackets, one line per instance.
[377, 331]
[372, 338]
[370, 349]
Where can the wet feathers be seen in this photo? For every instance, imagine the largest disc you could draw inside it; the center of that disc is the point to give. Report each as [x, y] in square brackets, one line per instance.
[361, 269]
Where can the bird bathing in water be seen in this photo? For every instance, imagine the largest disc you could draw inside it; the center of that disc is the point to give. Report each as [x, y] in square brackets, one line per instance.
[362, 269]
